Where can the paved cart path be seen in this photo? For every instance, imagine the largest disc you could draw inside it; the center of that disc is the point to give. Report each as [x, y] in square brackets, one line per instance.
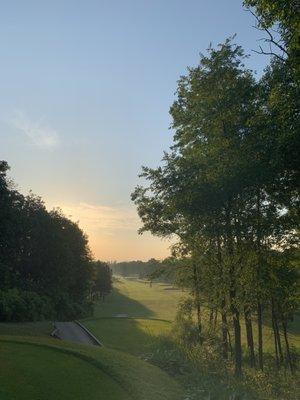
[73, 332]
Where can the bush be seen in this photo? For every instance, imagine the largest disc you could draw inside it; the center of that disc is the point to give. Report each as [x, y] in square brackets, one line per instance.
[68, 309]
[17, 306]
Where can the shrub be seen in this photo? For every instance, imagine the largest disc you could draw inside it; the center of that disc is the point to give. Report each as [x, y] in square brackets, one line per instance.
[17, 305]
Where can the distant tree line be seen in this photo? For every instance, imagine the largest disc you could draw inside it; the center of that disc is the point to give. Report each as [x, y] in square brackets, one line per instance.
[139, 269]
[46, 268]
[228, 189]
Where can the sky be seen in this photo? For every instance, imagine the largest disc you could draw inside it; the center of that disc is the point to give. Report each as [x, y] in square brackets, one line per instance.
[86, 88]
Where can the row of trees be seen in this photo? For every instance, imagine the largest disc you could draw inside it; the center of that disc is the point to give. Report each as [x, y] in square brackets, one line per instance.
[228, 188]
[46, 268]
[139, 269]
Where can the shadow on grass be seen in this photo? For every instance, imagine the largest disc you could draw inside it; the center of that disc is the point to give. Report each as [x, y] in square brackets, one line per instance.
[118, 303]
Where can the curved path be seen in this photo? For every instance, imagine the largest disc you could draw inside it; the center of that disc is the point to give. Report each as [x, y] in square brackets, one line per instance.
[74, 332]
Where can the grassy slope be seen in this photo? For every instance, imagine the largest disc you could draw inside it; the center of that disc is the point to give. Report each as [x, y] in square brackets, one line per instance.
[38, 368]
[30, 372]
[41, 370]
[37, 372]
[42, 328]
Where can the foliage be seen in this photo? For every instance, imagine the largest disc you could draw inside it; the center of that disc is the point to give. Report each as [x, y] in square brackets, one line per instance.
[102, 279]
[16, 305]
[227, 189]
[139, 269]
[283, 15]
[44, 257]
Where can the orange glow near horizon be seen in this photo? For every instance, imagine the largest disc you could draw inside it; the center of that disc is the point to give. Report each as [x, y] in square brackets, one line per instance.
[112, 233]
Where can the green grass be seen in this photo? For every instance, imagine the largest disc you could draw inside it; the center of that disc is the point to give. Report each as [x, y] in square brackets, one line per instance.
[135, 336]
[29, 372]
[36, 368]
[41, 328]
[137, 299]
[151, 311]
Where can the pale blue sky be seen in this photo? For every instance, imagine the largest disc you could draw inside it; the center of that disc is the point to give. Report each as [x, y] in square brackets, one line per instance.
[85, 91]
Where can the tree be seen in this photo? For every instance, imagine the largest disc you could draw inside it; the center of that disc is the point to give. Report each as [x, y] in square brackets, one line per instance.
[102, 279]
[280, 21]
[225, 189]
[42, 252]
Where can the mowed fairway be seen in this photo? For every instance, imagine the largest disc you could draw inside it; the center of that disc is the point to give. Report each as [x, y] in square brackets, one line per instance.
[150, 312]
[134, 315]
[34, 366]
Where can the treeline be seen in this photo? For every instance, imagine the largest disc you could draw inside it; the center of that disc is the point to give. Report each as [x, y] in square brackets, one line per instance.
[229, 190]
[139, 269]
[46, 268]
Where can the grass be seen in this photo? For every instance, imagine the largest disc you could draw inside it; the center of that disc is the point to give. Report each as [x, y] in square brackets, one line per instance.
[150, 312]
[41, 328]
[31, 372]
[39, 368]
[131, 335]
[137, 299]
[34, 366]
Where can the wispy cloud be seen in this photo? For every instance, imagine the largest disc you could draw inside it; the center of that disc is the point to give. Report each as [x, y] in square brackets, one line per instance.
[106, 219]
[36, 131]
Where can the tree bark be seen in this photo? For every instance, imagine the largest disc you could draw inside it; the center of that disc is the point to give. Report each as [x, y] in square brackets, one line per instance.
[232, 295]
[224, 332]
[275, 339]
[288, 353]
[259, 305]
[249, 333]
[278, 339]
[237, 341]
[197, 301]
[260, 337]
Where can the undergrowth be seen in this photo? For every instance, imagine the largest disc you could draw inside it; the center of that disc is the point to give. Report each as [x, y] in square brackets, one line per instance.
[204, 374]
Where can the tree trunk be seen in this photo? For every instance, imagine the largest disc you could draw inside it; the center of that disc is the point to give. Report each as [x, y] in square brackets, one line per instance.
[215, 319]
[275, 340]
[259, 266]
[232, 295]
[211, 318]
[224, 332]
[278, 339]
[288, 353]
[260, 337]
[197, 301]
[237, 341]
[249, 333]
